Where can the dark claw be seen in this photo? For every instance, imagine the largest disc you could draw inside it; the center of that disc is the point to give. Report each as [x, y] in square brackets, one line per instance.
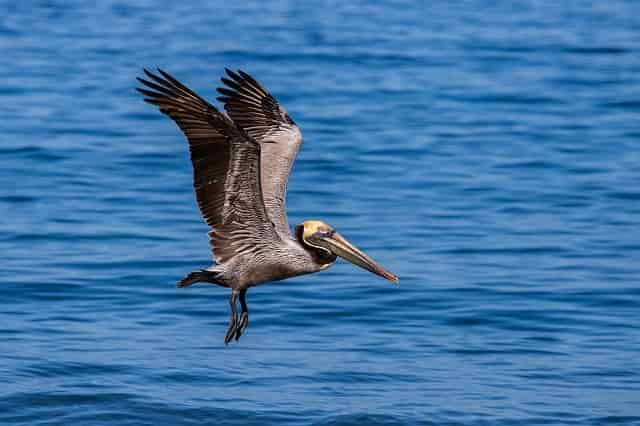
[231, 331]
[233, 320]
[242, 324]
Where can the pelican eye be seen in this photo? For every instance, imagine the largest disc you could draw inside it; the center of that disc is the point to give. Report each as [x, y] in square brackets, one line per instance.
[323, 233]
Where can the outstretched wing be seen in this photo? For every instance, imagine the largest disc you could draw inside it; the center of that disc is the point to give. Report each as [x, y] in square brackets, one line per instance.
[226, 168]
[258, 113]
[201, 123]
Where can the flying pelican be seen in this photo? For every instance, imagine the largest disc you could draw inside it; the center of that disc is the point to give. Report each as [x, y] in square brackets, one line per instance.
[241, 164]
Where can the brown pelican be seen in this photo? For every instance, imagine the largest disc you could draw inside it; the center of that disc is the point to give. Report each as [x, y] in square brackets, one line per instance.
[241, 164]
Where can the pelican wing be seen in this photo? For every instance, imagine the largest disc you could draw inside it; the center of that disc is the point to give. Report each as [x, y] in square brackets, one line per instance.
[258, 113]
[226, 168]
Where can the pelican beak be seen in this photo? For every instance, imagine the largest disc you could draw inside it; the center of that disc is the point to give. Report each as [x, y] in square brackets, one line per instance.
[343, 248]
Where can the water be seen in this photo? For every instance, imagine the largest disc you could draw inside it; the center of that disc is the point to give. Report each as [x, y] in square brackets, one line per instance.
[486, 153]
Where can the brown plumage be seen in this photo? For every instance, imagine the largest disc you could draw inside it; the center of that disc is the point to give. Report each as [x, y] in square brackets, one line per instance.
[241, 164]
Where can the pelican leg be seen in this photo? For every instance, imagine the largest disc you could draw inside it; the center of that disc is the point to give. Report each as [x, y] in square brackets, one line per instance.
[233, 320]
[244, 317]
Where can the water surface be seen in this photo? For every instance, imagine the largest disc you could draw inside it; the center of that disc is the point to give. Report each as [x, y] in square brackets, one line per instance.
[486, 153]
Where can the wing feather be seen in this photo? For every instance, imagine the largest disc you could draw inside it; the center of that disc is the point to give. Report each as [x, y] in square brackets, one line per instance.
[226, 168]
[253, 109]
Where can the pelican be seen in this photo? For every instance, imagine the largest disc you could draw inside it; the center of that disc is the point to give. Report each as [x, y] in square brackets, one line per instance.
[241, 163]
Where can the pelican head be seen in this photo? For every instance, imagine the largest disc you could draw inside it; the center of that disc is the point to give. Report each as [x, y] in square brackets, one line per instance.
[327, 244]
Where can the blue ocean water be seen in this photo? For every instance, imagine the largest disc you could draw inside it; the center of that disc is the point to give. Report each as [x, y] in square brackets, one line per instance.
[486, 152]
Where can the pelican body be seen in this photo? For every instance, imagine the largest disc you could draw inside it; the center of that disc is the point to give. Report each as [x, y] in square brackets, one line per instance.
[241, 163]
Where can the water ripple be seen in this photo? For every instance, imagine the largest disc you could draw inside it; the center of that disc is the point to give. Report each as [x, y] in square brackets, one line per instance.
[487, 155]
